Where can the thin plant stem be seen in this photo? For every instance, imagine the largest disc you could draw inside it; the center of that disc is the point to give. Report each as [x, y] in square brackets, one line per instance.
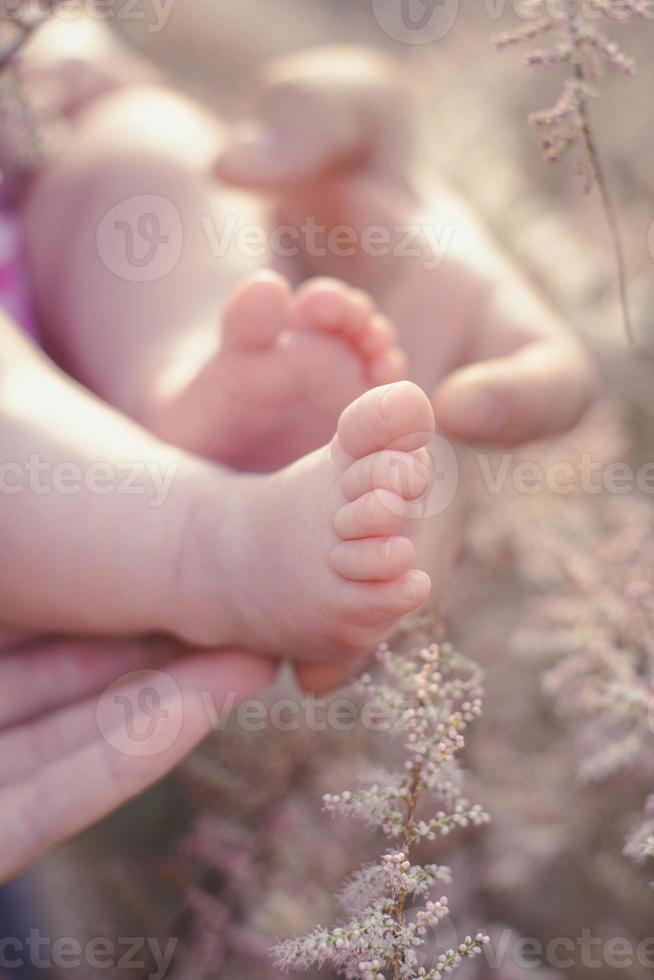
[609, 213]
[582, 45]
[598, 173]
[398, 912]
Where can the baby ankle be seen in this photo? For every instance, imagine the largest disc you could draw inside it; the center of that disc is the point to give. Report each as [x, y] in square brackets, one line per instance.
[213, 568]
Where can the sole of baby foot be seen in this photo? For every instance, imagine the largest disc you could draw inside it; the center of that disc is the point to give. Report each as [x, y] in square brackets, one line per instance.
[287, 364]
[320, 556]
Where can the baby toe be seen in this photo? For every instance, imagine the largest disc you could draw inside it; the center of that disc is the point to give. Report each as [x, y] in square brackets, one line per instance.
[321, 304]
[381, 603]
[360, 311]
[386, 362]
[377, 514]
[374, 559]
[328, 304]
[407, 474]
[391, 365]
[257, 312]
[395, 416]
[322, 678]
[379, 335]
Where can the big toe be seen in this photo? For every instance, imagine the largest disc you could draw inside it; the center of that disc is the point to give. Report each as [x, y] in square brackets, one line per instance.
[255, 158]
[396, 416]
[257, 312]
[299, 134]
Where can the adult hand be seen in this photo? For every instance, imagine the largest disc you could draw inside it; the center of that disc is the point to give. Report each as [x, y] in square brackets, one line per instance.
[87, 724]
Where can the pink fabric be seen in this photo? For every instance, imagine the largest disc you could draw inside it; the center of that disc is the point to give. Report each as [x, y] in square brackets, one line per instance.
[14, 284]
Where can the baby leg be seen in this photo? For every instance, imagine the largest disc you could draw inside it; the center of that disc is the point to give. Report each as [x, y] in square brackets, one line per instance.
[462, 310]
[107, 530]
[93, 507]
[141, 300]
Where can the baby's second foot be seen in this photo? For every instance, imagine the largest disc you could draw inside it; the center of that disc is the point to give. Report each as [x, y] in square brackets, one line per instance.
[318, 560]
[331, 140]
[289, 362]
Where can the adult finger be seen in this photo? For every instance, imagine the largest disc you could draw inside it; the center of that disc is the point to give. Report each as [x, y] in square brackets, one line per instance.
[147, 724]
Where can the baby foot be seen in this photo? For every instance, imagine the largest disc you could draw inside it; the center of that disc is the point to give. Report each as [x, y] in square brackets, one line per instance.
[321, 556]
[288, 363]
[322, 110]
[331, 140]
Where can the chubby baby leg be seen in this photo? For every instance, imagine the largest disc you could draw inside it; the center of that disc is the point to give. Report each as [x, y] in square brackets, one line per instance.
[106, 529]
[468, 320]
[93, 507]
[145, 306]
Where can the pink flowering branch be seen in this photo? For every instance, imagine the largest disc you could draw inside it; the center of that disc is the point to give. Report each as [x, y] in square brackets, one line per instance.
[429, 697]
[598, 598]
[581, 45]
[640, 846]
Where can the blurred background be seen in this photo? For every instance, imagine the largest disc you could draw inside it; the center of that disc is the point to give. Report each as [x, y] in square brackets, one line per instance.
[554, 594]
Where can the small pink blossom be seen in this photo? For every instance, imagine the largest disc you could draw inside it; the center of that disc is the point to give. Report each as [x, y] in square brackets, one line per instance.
[430, 697]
